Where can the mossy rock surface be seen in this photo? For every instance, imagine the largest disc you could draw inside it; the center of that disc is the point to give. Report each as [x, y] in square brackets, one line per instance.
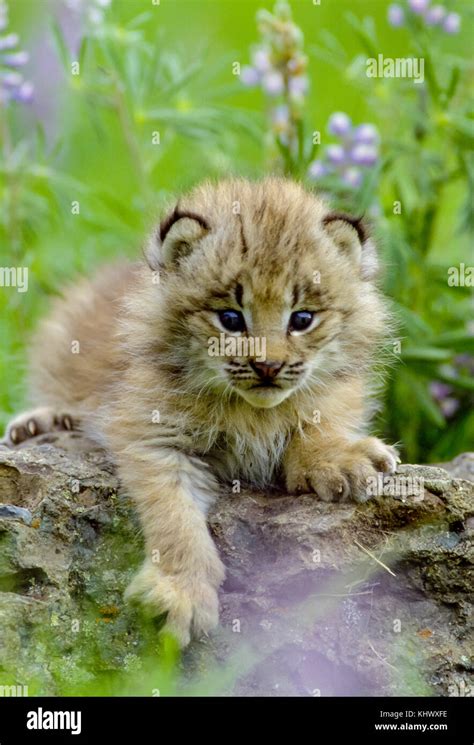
[320, 599]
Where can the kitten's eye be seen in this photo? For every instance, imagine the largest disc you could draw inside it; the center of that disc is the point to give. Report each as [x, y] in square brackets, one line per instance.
[232, 320]
[301, 320]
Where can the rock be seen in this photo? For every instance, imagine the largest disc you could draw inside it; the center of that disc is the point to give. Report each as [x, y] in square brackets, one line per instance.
[320, 599]
[461, 467]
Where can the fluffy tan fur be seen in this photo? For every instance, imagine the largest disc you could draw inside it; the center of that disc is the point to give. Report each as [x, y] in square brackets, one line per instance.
[126, 358]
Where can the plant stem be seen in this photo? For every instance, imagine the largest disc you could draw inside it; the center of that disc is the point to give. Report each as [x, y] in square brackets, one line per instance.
[129, 137]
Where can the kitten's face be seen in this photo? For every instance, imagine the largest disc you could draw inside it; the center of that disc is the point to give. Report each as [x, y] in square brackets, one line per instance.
[266, 301]
[265, 339]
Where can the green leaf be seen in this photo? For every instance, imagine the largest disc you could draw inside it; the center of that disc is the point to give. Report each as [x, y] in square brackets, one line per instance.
[83, 51]
[463, 130]
[365, 195]
[285, 152]
[61, 46]
[427, 404]
[365, 30]
[426, 354]
[455, 438]
[458, 341]
[414, 324]
[139, 20]
[453, 83]
[457, 381]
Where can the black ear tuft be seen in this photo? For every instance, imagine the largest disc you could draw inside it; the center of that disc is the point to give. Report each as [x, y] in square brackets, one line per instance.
[351, 236]
[168, 244]
[356, 222]
[177, 214]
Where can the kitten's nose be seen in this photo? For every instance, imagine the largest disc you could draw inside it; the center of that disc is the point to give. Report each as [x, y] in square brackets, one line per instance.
[267, 370]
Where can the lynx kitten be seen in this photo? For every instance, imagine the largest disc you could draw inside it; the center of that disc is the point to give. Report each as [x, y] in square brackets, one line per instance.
[145, 359]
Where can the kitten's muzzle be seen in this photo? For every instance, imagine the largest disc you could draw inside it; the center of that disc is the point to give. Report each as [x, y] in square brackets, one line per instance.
[267, 371]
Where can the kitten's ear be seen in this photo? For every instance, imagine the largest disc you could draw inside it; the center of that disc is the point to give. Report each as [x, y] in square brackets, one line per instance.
[351, 236]
[175, 238]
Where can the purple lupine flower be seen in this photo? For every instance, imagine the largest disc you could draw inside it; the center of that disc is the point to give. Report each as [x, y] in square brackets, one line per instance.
[14, 88]
[295, 35]
[12, 85]
[16, 59]
[11, 79]
[249, 76]
[278, 65]
[7, 86]
[273, 83]
[452, 23]
[9, 41]
[449, 406]
[339, 124]
[24, 93]
[364, 155]
[317, 170]
[366, 134]
[294, 65]
[280, 115]
[396, 16]
[357, 149]
[466, 362]
[443, 395]
[439, 391]
[95, 16]
[298, 86]
[261, 60]
[352, 177]
[336, 154]
[435, 15]
[96, 12]
[92, 10]
[418, 6]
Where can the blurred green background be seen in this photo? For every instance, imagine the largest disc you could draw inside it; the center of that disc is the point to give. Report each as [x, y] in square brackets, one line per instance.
[168, 68]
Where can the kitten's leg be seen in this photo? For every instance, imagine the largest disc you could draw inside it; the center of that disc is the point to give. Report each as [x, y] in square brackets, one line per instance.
[335, 468]
[36, 422]
[182, 570]
[332, 458]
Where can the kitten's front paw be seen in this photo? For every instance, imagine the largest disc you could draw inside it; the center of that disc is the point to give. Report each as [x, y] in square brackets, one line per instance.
[36, 422]
[344, 474]
[189, 599]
